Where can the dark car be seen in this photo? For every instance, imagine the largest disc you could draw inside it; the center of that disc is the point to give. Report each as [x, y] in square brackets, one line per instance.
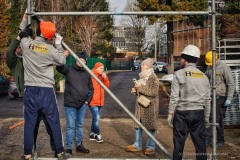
[4, 83]
[177, 66]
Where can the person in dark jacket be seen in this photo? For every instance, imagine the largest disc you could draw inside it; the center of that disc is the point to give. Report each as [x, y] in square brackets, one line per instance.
[15, 64]
[77, 95]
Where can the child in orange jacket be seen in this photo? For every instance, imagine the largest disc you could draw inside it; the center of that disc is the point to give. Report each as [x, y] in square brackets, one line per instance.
[97, 101]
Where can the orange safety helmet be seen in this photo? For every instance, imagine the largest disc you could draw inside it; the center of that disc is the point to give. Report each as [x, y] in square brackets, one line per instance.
[208, 58]
[48, 29]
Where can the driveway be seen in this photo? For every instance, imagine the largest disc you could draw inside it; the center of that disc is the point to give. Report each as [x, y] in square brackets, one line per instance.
[116, 128]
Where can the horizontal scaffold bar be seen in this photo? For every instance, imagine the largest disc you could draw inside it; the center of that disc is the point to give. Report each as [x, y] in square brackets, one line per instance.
[123, 13]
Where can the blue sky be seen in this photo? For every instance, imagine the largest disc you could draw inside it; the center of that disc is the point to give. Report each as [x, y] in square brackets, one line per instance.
[117, 6]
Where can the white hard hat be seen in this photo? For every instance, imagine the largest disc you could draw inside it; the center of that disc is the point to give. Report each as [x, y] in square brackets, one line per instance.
[191, 50]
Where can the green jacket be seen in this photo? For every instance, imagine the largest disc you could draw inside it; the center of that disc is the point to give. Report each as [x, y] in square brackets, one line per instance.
[15, 64]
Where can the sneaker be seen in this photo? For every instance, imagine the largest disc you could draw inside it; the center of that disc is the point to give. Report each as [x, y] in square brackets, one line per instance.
[68, 153]
[149, 151]
[132, 148]
[98, 138]
[220, 144]
[92, 137]
[24, 158]
[62, 156]
[82, 149]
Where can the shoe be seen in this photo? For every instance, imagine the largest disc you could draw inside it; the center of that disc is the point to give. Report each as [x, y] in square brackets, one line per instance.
[149, 151]
[62, 156]
[98, 138]
[220, 144]
[92, 137]
[82, 149]
[23, 158]
[69, 153]
[132, 148]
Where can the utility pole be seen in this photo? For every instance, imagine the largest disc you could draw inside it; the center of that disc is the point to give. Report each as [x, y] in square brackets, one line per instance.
[170, 43]
[155, 50]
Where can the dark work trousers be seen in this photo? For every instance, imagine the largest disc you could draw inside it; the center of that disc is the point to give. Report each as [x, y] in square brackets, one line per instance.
[40, 99]
[220, 115]
[41, 117]
[193, 122]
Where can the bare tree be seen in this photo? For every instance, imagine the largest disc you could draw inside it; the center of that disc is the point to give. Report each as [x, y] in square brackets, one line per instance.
[80, 32]
[86, 29]
[136, 27]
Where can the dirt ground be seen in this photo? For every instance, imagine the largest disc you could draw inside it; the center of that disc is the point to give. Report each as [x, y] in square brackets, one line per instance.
[117, 134]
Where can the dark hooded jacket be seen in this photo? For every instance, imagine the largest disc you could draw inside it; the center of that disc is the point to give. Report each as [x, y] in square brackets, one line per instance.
[78, 85]
[15, 63]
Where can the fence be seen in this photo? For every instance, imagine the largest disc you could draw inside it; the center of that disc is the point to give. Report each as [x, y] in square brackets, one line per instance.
[90, 62]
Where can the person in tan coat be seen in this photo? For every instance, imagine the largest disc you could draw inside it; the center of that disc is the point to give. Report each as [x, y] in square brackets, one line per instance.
[147, 85]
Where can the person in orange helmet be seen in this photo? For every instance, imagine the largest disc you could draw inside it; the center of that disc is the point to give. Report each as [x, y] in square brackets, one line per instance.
[97, 101]
[38, 59]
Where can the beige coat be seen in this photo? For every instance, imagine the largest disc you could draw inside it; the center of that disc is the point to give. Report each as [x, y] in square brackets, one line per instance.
[148, 116]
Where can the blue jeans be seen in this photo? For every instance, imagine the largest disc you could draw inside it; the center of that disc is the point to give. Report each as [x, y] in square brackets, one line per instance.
[74, 120]
[96, 111]
[138, 139]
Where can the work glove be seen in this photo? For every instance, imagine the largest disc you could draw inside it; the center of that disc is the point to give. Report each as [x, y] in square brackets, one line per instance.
[207, 123]
[170, 120]
[227, 103]
[26, 32]
[58, 39]
[38, 19]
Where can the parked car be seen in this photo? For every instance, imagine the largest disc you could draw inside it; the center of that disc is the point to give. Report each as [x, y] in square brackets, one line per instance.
[160, 65]
[154, 66]
[136, 65]
[177, 66]
[4, 83]
[12, 89]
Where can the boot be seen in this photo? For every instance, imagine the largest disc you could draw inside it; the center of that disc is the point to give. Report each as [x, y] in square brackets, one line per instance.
[82, 149]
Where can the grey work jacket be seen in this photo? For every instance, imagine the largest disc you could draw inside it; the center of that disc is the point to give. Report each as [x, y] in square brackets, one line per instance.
[224, 79]
[190, 90]
[38, 60]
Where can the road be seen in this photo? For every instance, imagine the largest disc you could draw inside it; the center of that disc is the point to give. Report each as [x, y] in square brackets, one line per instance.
[120, 86]
[117, 130]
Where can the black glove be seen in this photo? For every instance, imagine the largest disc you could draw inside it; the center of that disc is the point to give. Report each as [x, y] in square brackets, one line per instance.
[26, 32]
[38, 19]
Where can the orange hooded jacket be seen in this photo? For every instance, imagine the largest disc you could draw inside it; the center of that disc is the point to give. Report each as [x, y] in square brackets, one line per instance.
[98, 95]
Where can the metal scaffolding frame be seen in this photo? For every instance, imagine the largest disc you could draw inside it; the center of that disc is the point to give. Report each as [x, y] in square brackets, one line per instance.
[212, 12]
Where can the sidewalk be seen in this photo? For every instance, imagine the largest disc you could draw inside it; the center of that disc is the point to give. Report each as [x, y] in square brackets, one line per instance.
[117, 134]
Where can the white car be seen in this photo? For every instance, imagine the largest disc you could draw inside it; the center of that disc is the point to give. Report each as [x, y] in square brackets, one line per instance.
[12, 90]
[160, 65]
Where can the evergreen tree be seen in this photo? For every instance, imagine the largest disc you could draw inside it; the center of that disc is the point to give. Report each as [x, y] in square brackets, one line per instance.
[4, 19]
[228, 22]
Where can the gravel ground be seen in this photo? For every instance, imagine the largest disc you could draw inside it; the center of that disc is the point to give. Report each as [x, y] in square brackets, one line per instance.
[117, 134]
